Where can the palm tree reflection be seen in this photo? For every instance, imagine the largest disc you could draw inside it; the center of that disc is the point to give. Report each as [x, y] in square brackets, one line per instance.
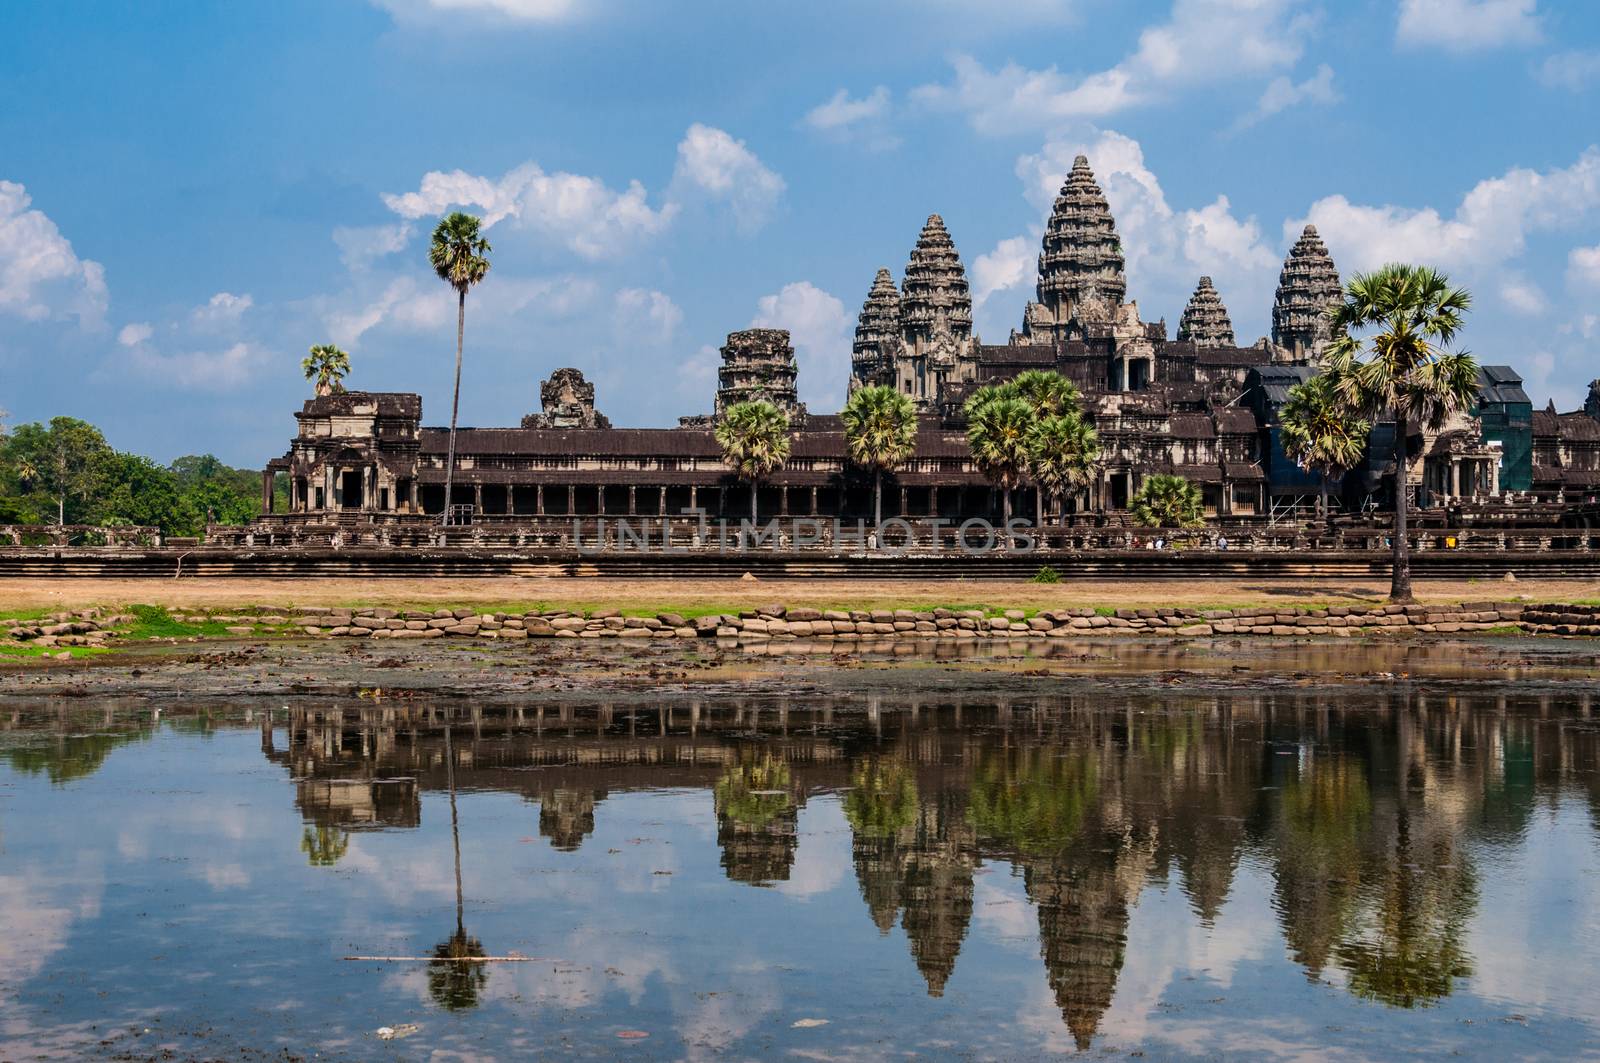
[457, 975]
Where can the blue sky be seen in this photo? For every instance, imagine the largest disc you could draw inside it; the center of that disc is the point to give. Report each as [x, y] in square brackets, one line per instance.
[191, 194]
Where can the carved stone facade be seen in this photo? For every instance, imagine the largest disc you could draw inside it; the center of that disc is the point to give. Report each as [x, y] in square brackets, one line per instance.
[567, 401]
[1205, 320]
[1081, 264]
[1307, 287]
[757, 364]
[876, 349]
[935, 319]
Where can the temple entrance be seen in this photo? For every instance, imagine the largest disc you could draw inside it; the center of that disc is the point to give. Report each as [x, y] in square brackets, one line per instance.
[350, 489]
[1119, 489]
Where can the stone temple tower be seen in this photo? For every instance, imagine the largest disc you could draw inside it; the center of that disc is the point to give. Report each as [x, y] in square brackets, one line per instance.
[759, 363]
[1081, 266]
[935, 318]
[877, 342]
[1308, 285]
[1205, 320]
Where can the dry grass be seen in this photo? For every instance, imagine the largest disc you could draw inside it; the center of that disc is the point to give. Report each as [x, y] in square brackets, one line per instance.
[701, 596]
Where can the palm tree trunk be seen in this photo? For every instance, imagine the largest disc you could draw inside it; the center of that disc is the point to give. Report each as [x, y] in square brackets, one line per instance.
[755, 490]
[1322, 498]
[877, 499]
[1005, 513]
[1400, 580]
[455, 824]
[455, 400]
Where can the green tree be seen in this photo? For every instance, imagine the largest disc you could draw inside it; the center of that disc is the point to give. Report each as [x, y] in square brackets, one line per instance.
[1168, 502]
[997, 434]
[135, 490]
[1319, 433]
[328, 366]
[883, 798]
[324, 846]
[1047, 393]
[65, 463]
[1063, 454]
[880, 432]
[459, 255]
[1032, 801]
[1410, 315]
[754, 437]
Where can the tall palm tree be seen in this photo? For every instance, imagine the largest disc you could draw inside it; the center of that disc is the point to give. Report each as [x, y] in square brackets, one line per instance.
[1046, 392]
[754, 437]
[880, 432]
[1319, 433]
[997, 433]
[1168, 502]
[328, 366]
[1063, 454]
[1401, 367]
[457, 974]
[459, 255]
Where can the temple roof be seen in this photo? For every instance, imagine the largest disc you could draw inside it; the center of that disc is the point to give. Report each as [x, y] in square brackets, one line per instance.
[935, 287]
[1307, 286]
[1205, 319]
[1082, 254]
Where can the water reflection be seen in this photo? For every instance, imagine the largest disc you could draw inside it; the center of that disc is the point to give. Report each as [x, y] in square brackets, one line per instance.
[1370, 818]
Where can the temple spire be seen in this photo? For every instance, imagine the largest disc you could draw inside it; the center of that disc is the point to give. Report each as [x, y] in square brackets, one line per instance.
[1081, 266]
[877, 334]
[935, 317]
[1205, 320]
[1307, 287]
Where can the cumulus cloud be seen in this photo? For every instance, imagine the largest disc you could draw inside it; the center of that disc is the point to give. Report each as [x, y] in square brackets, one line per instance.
[821, 330]
[1258, 37]
[361, 246]
[505, 10]
[1523, 296]
[222, 311]
[646, 315]
[1491, 224]
[1467, 25]
[1167, 249]
[718, 167]
[41, 277]
[1583, 267]
[865, 120]
[403, 304]
[135, 333]
[204, 370]
[1283, 93]
[582, 213]
[1011, 264]
[1573, 71]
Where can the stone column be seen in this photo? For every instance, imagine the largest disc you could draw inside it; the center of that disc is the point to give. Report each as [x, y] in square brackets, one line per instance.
[783, 501]
[1494, 477]
[367, 488]
[694, 496]
[477, 499]
[600, 496]
[813, 502]
[572, 499]
[905, 496]
[933, 501]
[661, 505]
[416, 496]
[538, 499]
[633, 500]
[267, 477]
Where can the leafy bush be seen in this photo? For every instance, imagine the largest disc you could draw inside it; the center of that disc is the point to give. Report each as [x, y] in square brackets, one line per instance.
[1046, 574]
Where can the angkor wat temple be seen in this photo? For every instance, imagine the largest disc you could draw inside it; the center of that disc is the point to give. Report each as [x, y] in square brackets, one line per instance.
[1196, 404]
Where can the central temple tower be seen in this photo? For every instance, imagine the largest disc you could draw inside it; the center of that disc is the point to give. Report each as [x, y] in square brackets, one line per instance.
[1081, 266]
[935, 319]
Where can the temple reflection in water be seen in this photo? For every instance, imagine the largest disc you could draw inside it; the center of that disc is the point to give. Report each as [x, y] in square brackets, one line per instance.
[1364, 807]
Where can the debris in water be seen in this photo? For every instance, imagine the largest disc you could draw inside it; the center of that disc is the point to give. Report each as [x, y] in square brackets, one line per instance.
[391, 1033]
[632, 1035]
[806, 1024]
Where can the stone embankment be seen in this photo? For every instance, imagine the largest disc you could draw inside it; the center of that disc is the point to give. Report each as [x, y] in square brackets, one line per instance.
[96, 628]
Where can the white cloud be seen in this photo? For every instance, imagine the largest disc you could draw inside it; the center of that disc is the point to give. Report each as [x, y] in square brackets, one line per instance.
[713, 164]
[1490, 225]
[865, 120]
[820, 330]
[1583, 267]
[1166, 249]
[1282, 92]
[1012, 264]
[1573, 71]
[134, 334]
[509, 10]
[1467, 25]
[221, 370]
[403, 303]
[360, 246]
[1257, 36]
[585, 215]
[648, 316]
[223, 310]
[41, 277]
[1523, 296]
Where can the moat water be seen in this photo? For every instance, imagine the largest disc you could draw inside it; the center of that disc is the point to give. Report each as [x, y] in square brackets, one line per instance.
[1239, 873]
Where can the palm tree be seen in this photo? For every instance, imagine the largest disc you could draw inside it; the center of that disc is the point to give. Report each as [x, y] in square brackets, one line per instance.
[997, 433]
[754, 437]
[324, 846]
[457, 974]
[1063, 454]
[880, 432]
[1168, 502]
[328, 366]
[1402, 367]
[1046, 392]
[1320, 434]
[458, 255]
